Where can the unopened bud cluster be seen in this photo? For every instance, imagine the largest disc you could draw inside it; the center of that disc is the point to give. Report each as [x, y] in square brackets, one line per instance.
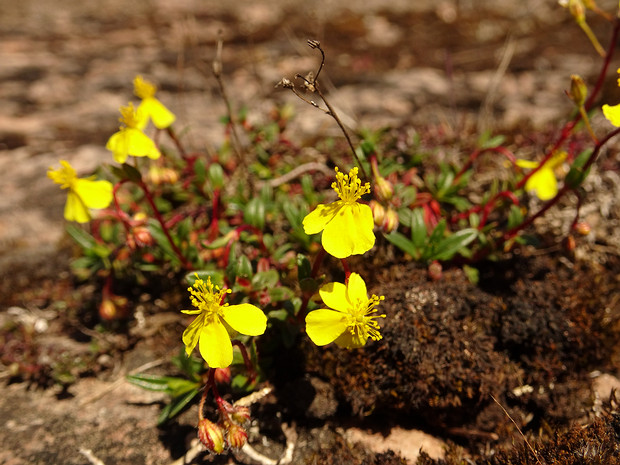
[385, 218]
[229, 431]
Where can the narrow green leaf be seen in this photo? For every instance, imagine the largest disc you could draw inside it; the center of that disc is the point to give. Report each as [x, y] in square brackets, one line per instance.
[418, 228]
[175, 406]
[404, 244]
[447, 248]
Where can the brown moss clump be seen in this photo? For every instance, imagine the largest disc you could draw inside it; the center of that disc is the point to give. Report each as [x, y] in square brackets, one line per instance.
[529, 335]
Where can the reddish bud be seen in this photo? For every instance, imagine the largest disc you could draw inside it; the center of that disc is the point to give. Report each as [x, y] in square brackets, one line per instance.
[583, 228]
[236, 436]
[222, 375]
[113, 307]
[390, 223]
[384, 189]
[569, 243]
[378, 212]
[107, 310]
[211, 436]
[435, 270]
[240, 414]
[142, 236]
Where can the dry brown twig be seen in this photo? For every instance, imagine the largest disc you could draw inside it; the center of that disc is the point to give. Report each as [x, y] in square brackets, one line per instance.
[311, 84]
[236, 141]
[519, 430]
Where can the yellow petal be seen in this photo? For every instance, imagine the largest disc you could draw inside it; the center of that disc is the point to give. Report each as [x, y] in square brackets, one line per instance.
[350, 232]
[192, 333]
[131, 141]
[161, 116]
[356, 288]
[245, 319]
[118, 145]
[324, 326]
[75, 210]
[543, 183]
[94, 194]
[612, 114]
[528, 164]
[334, 295]
[315, 221]
[141, 145]
[215, 346]
[348, 340]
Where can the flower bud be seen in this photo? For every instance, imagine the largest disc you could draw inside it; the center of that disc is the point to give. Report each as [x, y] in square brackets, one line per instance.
[578, 90]
[222, 375]
[383, 188]
[390, 223]
[378, 212]
[578, 10]
[107, 310]
[569, 243]
[236, 436]
[583, 228]
[435, 270]
[240, 414]
[142, 236]
[211, 436]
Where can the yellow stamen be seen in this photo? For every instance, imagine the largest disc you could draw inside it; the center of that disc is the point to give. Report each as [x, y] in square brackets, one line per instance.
[129, 116]
[361, 321]
[143, 88]
[349, 187]
[207, 297]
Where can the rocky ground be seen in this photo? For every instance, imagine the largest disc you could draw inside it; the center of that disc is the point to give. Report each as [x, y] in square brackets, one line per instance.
[64, 72]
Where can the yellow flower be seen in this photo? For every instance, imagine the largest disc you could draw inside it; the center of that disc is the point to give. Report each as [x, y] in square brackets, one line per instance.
[350, 320]
[210, 328]
[346, 224]
[130, 140]
[612, 113]
[83, 193]
[543, 182]
[150, 107]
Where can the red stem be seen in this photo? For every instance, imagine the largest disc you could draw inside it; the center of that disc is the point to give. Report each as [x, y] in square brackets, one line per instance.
[246, 359]
[147, 194]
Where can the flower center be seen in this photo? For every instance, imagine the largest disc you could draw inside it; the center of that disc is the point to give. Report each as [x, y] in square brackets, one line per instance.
[349, 187]
[207, 298]
[129, 116]
[362, 319]
[142, 88]
[65, 176]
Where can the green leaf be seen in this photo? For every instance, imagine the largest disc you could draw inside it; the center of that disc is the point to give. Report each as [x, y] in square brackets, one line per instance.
[444, 183]
[244, 267]
[280, 293]
[403, 244]
[175, 406]
[265, 279]
[132, 173]
[149, 382]
[216, 176]
[254, 213]
[162, 240]
[438, 233]
[515, 216]
[576, 175]
[280, 315]
[418, 228]
[217, 276]
[219, 242]
[304, 268]
[84, 240]
[447, 248]
[473, 274]
[488, 142]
